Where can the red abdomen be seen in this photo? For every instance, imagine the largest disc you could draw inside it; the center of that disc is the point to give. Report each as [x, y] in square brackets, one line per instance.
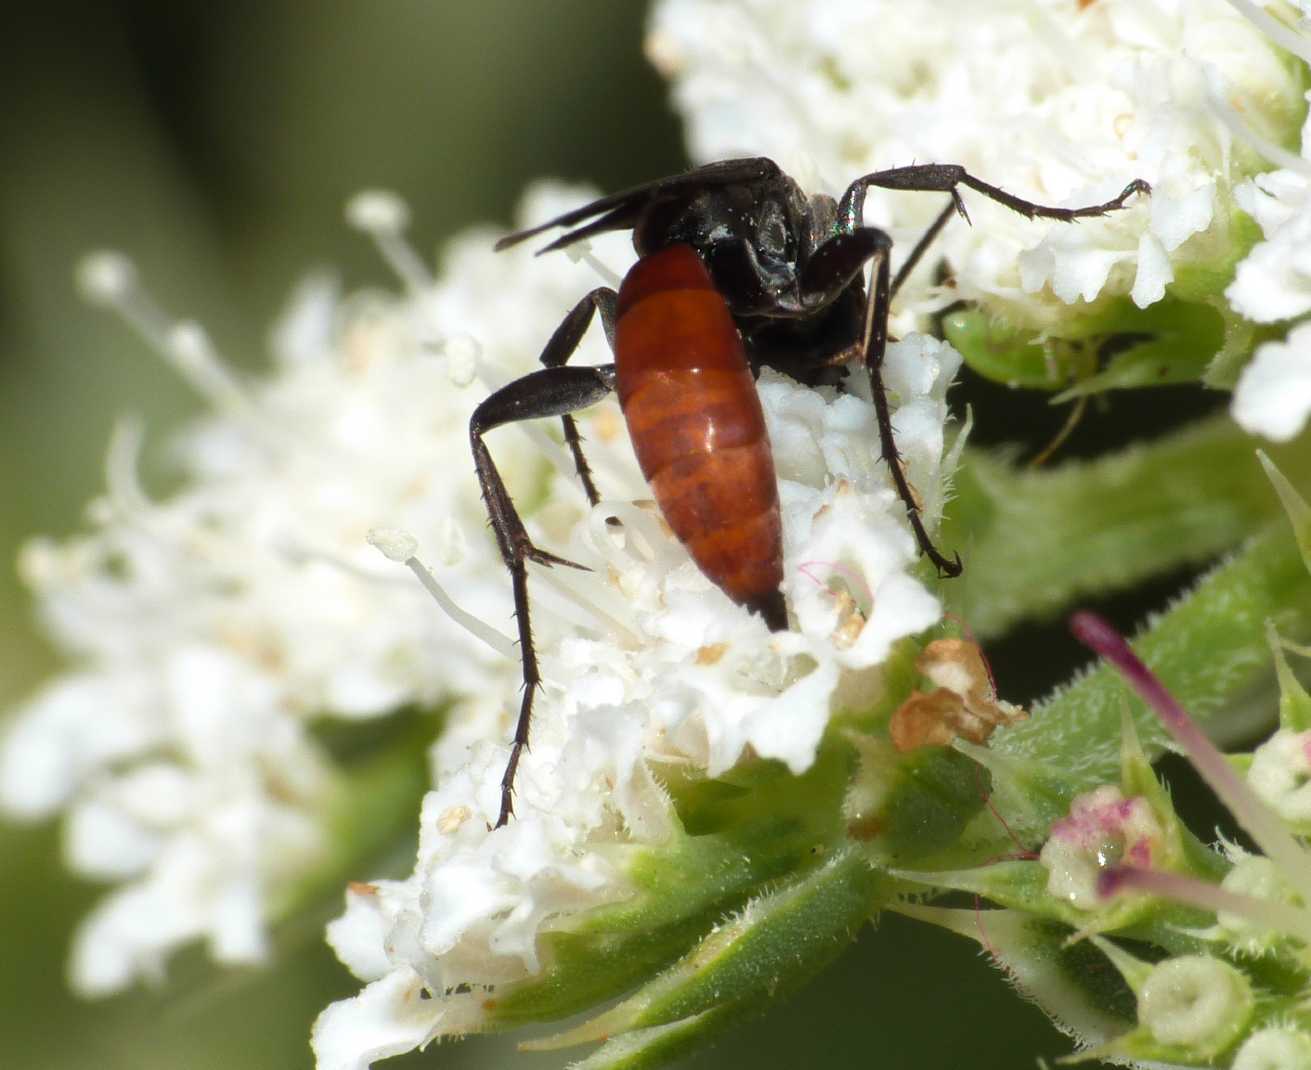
[696, 425]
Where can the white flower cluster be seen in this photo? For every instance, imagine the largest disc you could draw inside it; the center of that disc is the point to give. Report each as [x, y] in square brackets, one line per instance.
[660, 669]
[1057, 102]
[216, 627]
[213, 628]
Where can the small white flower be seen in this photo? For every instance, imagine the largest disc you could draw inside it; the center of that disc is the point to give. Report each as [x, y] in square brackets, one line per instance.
[1273, 396]
[390, 1017]
[1274, 281]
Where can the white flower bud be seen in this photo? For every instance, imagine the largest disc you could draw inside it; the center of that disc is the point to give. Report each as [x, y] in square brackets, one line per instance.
[1274, 1049]
[1259, 878]
[1196, 1002]
[1280, 775]
[462, 352]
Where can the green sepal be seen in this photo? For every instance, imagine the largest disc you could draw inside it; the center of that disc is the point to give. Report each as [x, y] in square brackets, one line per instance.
[1182, 851]
[771, 947]
[659, 1045]
[1022, 886]
[1138, 778]
[1016, 885]
[1294, 702]
[1068, 981]
[1295, 506]
[1030, 793]
[1140, 1043]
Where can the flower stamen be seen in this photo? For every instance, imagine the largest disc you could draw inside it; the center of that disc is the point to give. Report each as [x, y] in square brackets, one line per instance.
[402, 547]
[383, 216]
[1285, 37]
[581, 253]
[1282, 917]
[1232, 120]
[109, 279]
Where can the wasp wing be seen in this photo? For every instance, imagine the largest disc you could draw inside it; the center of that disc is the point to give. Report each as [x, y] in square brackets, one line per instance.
[620, 211]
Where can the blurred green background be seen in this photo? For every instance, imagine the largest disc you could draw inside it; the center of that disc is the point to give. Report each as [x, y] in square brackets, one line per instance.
[216, 144]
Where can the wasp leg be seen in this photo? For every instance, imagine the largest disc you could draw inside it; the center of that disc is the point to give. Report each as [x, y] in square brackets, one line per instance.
[875, 343]
[922, 246]
[832, 268]
[827, 267]
[946, 177]
[834, 265]
[561, 346]
[553, 391]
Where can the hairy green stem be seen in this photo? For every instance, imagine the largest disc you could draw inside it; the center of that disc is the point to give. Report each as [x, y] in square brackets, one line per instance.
[1034, 541]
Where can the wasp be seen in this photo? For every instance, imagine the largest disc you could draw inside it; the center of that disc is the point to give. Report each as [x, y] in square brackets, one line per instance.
[737, 269]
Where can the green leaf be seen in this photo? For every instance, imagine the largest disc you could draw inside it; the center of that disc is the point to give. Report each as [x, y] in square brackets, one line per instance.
[1033, 541]
[1209, 649]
